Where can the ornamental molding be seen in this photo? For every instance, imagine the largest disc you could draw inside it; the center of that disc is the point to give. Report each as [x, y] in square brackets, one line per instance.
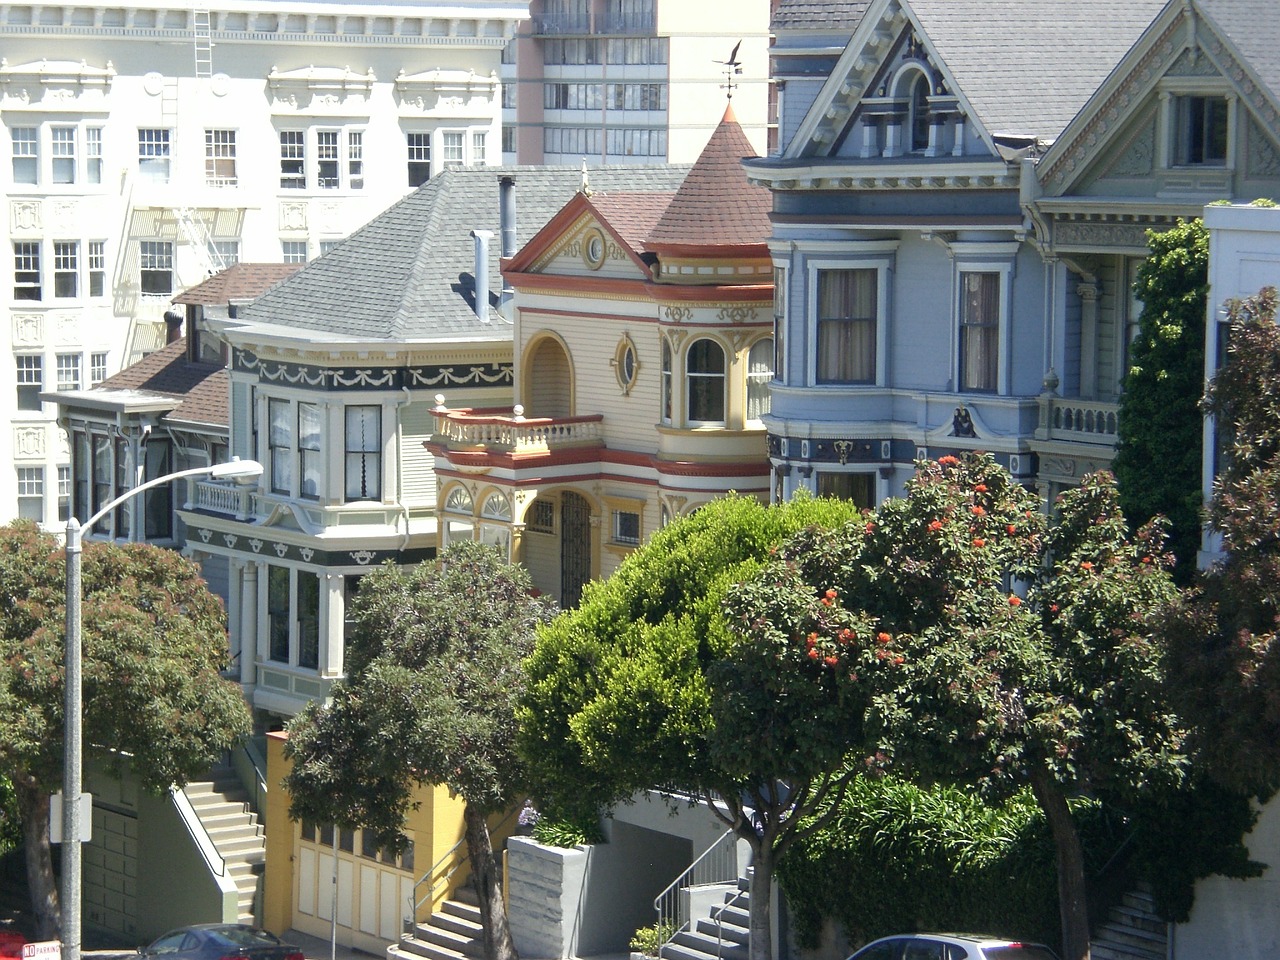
[1079, 233]
[294, 553]
[1261, 156]
[293, 215]
[448, 93]
[24, 215]
[1138, 156]
[28, 329]
[57, 85]
[373, 377]
[321, 91]
[779, 180]
[29, 442]
[738, 313]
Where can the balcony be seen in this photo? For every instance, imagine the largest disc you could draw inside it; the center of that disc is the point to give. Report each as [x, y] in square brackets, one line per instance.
[633, 23]
[226, 498]
[562, 25]
[1077, 421]
[466, 432]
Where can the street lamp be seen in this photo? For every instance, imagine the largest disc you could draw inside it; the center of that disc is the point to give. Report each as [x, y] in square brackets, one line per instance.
[72, 747]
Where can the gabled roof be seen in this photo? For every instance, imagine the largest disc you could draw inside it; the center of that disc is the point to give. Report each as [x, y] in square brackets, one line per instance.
[162, 382]
[1017, 68]
[408, 274]
[818, 14]
[238, 282]
[1252, 27]
[716, 206]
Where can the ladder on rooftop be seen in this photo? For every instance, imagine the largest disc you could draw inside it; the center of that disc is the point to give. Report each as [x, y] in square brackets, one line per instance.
[203, 37]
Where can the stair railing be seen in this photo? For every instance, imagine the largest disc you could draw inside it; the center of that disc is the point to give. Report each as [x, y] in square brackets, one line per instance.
[716, 864]
[731, 902]
[199, 835]
[441, 872]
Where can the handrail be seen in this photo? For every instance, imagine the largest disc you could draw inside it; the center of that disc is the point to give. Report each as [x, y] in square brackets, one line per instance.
[415, 901]
[716, 864]
[720, 922]
[191, 820]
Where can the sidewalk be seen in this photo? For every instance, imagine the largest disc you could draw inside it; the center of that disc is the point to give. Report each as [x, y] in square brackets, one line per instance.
[314, 948]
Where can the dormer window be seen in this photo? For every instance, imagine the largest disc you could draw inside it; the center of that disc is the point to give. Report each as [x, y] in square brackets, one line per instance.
[1200, 131]
[919, 115]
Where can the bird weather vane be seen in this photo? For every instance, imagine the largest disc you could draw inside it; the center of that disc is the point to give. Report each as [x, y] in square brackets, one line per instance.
[732, 67]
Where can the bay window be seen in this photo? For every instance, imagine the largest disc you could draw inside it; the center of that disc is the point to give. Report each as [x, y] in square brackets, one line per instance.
[363, 465]
[979, 331]
[847, 321]
[705, 381]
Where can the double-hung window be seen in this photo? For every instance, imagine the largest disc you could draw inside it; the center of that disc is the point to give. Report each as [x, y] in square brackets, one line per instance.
[310, 464]
[220, 158]
[759, 376]
[355, 159]
[452, 143]
[153, 154]
[30, 378]
[155, 263]
[328, 161]
[293, 617]
[705, 381]
[293, 159]
[668, 381]
[293, 251]
[1201, 131]
[93, 154]
[419, 147]
[779, 322]
[979, 331]
[63, 150]
[31, 493]
[848, 315]
[25, 147]
[97, 368]
[68, 369]
[280, 442]
[66, 268]
[363, 453]
[26, 270]
[97, 268]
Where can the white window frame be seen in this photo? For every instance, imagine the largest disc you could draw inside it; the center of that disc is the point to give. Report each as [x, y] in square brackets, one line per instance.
[27, 257]
[358, 453]
[1169, 143]
[29, 373]
[66, 266]
[753, 381]
[96, 268]
[293, 159]
[93, 154]
[97, 367]
[877, 256]
[293, 251]
[155, 154]
[31, 493]
[156, 257]
[453, 148]
[418, 155]
[25, 153]
[459, 521]
[723, 377]
[293, 612]
[68, 370]
[972, 258]
[64, 160]
[220, 159]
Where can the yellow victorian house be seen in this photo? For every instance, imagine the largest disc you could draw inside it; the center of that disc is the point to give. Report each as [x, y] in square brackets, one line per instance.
[644, 351]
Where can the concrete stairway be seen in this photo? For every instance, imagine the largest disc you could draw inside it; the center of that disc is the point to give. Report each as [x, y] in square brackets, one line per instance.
[222, 804]
[1132, 931]
[725, 933]
[454, 932]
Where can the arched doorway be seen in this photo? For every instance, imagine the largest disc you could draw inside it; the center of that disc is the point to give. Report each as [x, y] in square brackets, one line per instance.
[575, 547]
[548, 381]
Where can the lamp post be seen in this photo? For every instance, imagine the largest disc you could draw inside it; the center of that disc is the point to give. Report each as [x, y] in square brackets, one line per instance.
[72, 745]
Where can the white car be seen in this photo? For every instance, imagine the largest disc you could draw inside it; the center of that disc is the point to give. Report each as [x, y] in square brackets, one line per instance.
[951, 946]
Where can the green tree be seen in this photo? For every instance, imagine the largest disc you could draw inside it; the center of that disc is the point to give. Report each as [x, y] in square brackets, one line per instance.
[1223, 635]
[1157, 463]
[1057, 684]
[154, 643]
[433, 673]
[643, 686]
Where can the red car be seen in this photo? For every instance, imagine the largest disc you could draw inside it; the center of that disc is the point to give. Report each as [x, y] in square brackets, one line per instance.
[11, 943]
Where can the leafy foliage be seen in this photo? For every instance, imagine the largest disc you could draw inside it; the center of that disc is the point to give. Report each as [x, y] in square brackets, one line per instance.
[154, 642]
[1224, 635]
[967, 680]
[434, 676]
[1158, 458]
[565, 833]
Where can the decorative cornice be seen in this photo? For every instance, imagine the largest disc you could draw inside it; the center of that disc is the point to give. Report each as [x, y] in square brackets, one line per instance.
[373, 377]
[325, 90]
[986, 175]
[257, 546]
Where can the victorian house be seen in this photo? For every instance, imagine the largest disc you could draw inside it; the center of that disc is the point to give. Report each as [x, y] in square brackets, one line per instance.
[643, 356]
[958, 213]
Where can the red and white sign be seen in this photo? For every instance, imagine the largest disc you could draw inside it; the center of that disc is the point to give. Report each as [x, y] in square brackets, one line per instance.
[42, 950]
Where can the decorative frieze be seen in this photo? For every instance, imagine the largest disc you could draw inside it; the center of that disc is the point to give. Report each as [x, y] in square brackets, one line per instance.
[320, 91]
[273, 550]
[29, 442]
[1091, 233]
[446, 93]
[1262, 159]
[28, 329]
[1137, 158]
[375, 377]
[55, 85]
[24, 216]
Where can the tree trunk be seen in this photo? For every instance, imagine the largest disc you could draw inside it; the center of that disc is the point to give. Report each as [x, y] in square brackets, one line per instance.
[486, 877]
[33, 803]
[761, 901]
[1073, 906]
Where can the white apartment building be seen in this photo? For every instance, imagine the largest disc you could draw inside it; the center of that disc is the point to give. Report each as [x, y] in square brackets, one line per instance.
[146, 145]
[633, 81]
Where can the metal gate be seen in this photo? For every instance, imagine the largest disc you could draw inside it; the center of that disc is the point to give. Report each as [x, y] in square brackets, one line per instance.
[575, 547]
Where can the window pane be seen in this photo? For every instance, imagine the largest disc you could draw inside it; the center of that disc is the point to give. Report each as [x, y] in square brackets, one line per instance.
[26, 154]
[280, 446]
[308, 619]
[979, 330]
[153, 155]
[156, 264]
[26, 271]
[759, 376]
[30, 378]
[278, 612]
[363, 453]
[705, 381]
[293, 174]
[846, 326]
[63, 149]
[419, 147]
[309, 463]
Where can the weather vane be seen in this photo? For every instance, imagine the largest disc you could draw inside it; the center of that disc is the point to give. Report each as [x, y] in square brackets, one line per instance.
[732, 67]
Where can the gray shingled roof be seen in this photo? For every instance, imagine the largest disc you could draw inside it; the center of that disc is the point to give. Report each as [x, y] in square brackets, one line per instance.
[1253, 28]
[407, 274]
[818, 14]
[1028, 67]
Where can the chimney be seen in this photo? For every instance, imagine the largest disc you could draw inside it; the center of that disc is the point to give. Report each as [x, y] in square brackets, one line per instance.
[507, 225]
[172, 325]
[481, 273]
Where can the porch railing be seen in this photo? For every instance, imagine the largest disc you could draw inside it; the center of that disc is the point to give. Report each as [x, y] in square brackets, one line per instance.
[1081, 421]
[463, 428]
[218, 496]
[717, 864]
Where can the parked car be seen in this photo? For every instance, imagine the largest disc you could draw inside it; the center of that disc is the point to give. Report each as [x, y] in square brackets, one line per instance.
[221, 941]
[951, 946]
[11, 942]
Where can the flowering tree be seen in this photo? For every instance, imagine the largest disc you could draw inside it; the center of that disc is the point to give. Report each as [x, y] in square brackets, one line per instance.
[988, 647]
[1224, 635]
[154, 699]
[429, 698]
[644, 686]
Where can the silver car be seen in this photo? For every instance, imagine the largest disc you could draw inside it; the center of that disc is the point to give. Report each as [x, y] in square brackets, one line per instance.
[951, 946]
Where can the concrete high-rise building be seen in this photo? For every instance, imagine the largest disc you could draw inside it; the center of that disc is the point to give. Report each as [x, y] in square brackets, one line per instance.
[144, 146]
[636, 81]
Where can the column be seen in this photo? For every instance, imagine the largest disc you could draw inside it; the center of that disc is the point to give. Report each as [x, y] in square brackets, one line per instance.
[332, 622]
[248, 622]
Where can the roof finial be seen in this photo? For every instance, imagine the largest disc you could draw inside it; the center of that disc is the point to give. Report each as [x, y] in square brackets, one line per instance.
[585, 189]
[732, 67]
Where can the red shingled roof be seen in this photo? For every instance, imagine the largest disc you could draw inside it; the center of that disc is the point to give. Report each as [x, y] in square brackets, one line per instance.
[715, 205]
[240, 281]
[202, 389]
[632, 215]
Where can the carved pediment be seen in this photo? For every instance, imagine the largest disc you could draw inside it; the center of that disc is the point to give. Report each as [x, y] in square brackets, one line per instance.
[55, 85]
[324, 91]
[448, 93]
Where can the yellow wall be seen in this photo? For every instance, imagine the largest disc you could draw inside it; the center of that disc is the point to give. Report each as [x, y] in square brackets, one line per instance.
[277, 884]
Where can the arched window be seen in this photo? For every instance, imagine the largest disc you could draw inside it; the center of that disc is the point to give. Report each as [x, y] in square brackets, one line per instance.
[920, 114]
[666, 382]
[704, 369]
[759, 374]
[459, 521]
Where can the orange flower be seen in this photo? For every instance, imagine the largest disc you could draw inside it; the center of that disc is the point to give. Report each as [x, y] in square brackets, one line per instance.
[979, 511]
[948, 461]
[869, 529]
[1015, 600]
[831, 661]
[831, 594]
[897, 660]
[813, 654]
[980, 488]
[979, 542]
[883, 637]
[1086, 565]
[935, 526]
[1011, 529]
